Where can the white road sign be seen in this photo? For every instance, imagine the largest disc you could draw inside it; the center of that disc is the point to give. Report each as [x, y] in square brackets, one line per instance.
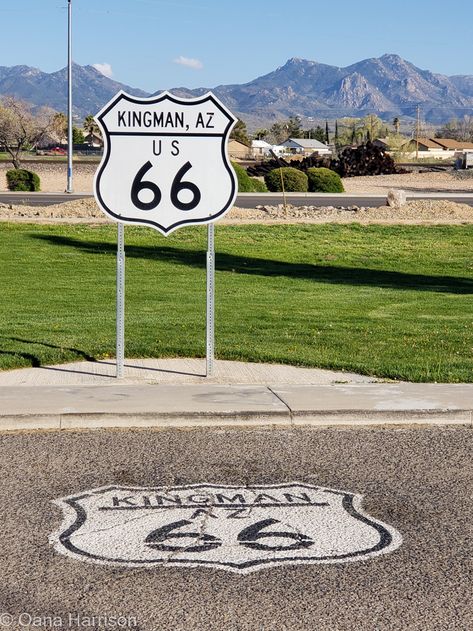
[165, 161]
[240, 529]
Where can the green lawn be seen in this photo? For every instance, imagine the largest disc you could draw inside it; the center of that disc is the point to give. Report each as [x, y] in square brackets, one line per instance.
[392, 301]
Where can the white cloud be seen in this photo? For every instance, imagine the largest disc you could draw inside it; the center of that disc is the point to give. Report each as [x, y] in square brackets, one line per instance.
[196, 64]
[105, 69]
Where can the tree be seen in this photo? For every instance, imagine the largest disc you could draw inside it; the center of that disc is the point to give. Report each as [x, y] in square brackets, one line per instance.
[240, 133]
[336, 133]
[77, 136]
[91, 127]
[371, 126]
[327, 135]
[396, 142]
[353, 134]
[317, 133]
[350, 131]
[59, 128]
[260, 134]
[20, 128]
[294, 127]
[397, 125]
[278, 133]
[457, 129]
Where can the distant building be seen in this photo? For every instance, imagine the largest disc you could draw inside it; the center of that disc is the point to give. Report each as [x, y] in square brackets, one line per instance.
[260, 148]
[93, 140]
[238, 150]
[448, 144]
[278, 150]
[427, 148]
[425, 144]
[306, 146]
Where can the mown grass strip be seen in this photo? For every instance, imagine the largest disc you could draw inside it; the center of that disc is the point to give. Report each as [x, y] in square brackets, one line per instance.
[392, 301]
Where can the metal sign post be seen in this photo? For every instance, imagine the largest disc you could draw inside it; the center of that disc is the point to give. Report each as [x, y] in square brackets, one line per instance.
[210, 299]
[120, 300]
[69, 188]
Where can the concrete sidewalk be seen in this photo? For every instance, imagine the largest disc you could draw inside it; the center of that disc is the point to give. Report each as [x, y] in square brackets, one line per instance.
[176, 393]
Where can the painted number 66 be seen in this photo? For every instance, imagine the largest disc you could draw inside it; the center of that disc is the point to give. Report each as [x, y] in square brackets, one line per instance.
[177, 187]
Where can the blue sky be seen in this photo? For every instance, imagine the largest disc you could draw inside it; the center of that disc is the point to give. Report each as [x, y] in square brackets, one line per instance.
[157, 44]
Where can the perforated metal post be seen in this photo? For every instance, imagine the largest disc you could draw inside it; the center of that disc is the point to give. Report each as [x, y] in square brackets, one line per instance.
[69, 188]
[210, 298]
[120, 300]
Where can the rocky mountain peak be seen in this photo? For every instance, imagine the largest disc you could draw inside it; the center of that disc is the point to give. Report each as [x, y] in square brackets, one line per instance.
[387, 85]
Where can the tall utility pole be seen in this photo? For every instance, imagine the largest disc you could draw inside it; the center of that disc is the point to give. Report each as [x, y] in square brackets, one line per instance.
[417, 132]
[69, 188]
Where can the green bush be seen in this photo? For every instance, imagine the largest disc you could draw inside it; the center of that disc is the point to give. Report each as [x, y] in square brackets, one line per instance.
[258, 185]
[322, 180]
[294, 180]
[22, 180]
[245, 185]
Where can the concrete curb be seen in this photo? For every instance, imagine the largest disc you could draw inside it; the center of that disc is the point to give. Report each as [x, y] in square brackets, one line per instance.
[197, 406]
[355, 419]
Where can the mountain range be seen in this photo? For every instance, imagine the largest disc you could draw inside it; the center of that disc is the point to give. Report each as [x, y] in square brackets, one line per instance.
[388, 86]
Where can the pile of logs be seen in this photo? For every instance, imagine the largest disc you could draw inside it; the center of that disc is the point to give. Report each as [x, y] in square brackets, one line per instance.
[367, 159]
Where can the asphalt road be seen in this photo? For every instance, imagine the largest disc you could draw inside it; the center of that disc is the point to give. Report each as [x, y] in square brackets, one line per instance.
[418, 481]
[249, 200]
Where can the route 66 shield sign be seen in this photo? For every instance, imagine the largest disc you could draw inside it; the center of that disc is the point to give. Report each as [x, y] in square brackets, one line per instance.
[240, 529]
[165, 163]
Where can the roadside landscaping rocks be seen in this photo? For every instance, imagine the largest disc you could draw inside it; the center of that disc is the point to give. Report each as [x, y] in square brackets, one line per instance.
[413, 212]
[396, 198]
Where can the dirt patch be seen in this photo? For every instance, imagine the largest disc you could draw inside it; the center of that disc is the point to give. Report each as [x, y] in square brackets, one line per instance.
[414, 212]
[410, 182]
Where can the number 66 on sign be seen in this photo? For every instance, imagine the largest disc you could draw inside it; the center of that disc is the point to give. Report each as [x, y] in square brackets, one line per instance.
[165, 163]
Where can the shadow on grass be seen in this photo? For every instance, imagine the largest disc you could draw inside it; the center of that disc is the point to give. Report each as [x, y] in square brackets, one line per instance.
[34, 359]
[267, 267]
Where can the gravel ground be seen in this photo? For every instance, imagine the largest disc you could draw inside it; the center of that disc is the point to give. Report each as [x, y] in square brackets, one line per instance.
[420, 182]
[414, 212]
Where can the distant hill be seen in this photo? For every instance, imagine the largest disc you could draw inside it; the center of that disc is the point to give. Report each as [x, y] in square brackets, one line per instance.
[91, 89]
[389, 86]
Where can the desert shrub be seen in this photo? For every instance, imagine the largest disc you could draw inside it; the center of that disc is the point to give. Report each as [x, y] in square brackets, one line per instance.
[258, 185]
[22, 180]
[294, 180]
[323, 180]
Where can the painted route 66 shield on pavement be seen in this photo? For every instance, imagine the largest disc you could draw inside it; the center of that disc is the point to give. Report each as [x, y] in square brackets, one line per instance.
[240, 529]
[165, 161]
